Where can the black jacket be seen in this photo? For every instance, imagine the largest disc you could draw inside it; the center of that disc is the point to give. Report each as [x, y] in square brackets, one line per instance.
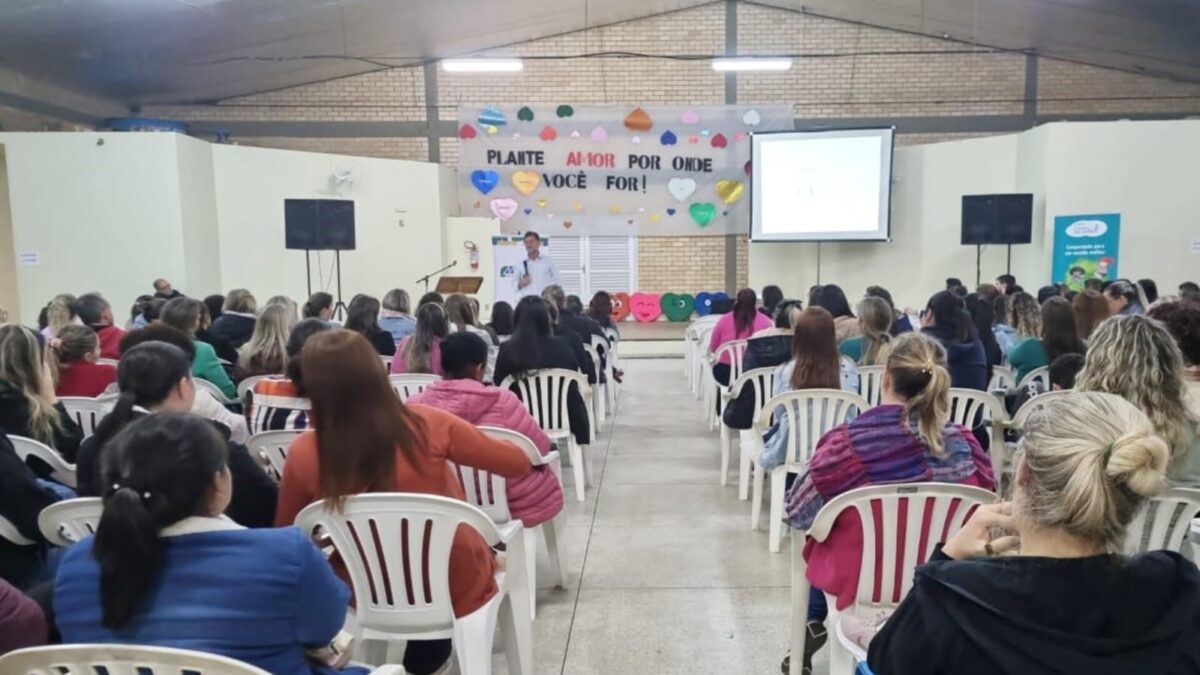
[551, 352]
[1102, 615]
[14, 420]
[382, 341]
[22, 498]
[968, 362]
[254, 493]
[232, 329]
[761, 352]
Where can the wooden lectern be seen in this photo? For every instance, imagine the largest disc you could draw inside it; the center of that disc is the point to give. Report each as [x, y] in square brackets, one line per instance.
[464, 285]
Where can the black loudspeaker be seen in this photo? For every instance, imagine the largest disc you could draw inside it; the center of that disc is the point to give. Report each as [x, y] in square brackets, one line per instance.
[997, 219]
[319, 224]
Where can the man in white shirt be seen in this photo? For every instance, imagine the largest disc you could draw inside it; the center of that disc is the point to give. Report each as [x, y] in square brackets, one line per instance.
[537, 271]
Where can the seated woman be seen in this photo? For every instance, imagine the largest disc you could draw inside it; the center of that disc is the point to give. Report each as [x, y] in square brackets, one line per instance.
[279, 404]
[28, 404]
[1124, 298]
[235, 326]
[946, 319]
[833, 299]
[154, 378]
[396, 315]
[22, 623]
[187, 314]
[1067, 601]
[1058, 337]
[765, 349]
[22, 498]
[534, 347]
[79, 374]
[461, 314]
[363, 317]
[266, 352]
[905, 439]
[870, 347]
[901, 323]
[1182, 320]
[815, 364]
[166, 568]
[1136, 358]
[59, 314]
[319, 306]
[533, 498]
[366, 440]
[600, 310]
[745, 320]
[502, 320]
[421, 351]
[1025, 319]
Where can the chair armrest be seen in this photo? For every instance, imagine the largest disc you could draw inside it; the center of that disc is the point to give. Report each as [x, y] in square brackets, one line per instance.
[389, 669]
[510, 531]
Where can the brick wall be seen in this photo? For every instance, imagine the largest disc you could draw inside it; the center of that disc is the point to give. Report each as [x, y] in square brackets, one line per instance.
[913, 85]
[12, 119]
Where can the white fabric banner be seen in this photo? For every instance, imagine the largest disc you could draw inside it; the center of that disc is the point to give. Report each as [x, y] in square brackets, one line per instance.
[612, 170]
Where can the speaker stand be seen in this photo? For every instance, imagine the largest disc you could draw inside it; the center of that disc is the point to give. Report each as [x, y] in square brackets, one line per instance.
[818, 263]
[978, 265]
[1008, 264]
[339, 308]
[308, 271]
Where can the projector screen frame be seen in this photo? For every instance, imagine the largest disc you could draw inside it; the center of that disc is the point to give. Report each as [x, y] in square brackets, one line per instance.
[815, 130]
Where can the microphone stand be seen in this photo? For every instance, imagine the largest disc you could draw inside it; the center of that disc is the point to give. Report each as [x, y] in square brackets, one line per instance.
[425, 279]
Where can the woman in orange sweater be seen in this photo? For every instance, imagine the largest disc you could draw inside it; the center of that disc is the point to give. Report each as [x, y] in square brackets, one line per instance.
[366, 440]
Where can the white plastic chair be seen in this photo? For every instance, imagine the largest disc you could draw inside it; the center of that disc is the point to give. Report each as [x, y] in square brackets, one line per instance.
[870, 383]
[213, 389]
[948, 506]
[396, 547]
[271, 448]
[490, 493]
[1033, 405]
[614, 363]
[606, 352]
[763, 382]
[125, 660]
[60, 470]
[66, 522]
[810, 414]
[407, 384]
[694, 347]
[545, 394]
[716, 395]
[87, 412]
[387, 363]
[11, 534]
[1039, 375]
[699, 351]
[1164, 522]
[966, 406]
[599, 397]
[1002, 378]
[247, 384]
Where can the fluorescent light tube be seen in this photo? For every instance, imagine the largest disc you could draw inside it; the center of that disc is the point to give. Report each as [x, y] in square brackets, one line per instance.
[751, 63]
[482, 65]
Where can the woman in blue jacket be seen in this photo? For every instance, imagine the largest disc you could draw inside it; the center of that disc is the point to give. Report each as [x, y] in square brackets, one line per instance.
[165, 568]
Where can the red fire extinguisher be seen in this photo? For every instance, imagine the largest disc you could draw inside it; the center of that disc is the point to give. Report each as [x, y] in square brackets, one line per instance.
[472, 254]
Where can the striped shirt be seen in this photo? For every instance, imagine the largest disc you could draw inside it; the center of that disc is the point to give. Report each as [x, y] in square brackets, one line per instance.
[275, 405]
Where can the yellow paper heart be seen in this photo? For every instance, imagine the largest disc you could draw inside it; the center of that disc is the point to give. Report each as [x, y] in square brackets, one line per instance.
[728, 190]
[542, 203]
[526, 181]
[492, 131]
[577, 206]
[654, 217]
[614, 208]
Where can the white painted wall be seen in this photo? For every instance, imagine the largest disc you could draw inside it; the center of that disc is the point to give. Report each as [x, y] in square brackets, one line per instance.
[479, 231]
[198, 218]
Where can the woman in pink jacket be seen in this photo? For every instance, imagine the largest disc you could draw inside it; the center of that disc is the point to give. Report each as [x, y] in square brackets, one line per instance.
[745, 320]
[534, 498]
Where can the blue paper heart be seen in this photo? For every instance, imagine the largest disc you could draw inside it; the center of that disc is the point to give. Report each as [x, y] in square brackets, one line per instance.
[668, 138]
[718, 296]
[492, 117]
[703, 303]
[703, 132]
[670, 212]
[484, 180]
[528, 211]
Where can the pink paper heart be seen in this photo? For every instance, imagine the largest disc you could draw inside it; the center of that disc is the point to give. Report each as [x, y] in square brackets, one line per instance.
[646, 307]
[690, 117]
[599, 135]
[693, 139]
[504, 208]
[741, 136]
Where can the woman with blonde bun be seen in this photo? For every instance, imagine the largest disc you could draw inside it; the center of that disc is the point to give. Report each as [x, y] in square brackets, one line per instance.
[1064, 599]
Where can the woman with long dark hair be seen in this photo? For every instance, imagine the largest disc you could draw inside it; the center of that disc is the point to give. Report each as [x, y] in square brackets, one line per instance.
[1091, 310]
[363, 317]
[1124, 297]
[421, 351]
[190, 316]
[745, 320]
[833, 299]
[980, 308]
[946, 319]
[502, 320]
[1058, 337]
[167, 568]
[600, 310]
[154, 378]
[366, 440]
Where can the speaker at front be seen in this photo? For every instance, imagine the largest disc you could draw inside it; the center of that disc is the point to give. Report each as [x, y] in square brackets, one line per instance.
[997, 219]
[318, 224]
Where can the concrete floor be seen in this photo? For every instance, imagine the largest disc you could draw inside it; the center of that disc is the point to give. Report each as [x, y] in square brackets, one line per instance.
[665, 574]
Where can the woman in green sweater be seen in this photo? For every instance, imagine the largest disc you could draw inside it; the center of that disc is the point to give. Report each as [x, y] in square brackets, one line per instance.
[1059, 336]
[187, 314]
[872, 347]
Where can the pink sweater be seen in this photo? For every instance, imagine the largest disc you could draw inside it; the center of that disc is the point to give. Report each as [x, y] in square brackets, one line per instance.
[726, 331]
[533, 498]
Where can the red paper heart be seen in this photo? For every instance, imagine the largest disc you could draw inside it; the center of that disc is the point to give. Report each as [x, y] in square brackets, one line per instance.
[467, 132]
[548, 133]
[620, 303]
[719, 141]
[747, 168]
[646, 307]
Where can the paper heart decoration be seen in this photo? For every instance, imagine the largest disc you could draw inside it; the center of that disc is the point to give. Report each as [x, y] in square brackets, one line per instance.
[706, 132]
[654, 217]
[466, 132]
[549, 216]
[541, 203]
[690, 117]
[564, 111]
[739, 136]
[484, 180]
[620, 303]
[703, 303]
[492, 131]
[748, 167]
[681, 188]
[517, 136]
[615, 209]
[677, 307]
[638, 120]
[668, 138]
[577, 206]
[492, 117]
[646, 307]
[567, 224]
[636, 140]
[525, 114]
[548, 133]
[719, 141]
[599, 135]
[641, 209]
[729, 190]
[526, 181]
[477, 203]
[751, 118]
[528, 211]
[670, 212]
[575, 134]
[503, 208]
[629, 222]
[693, 139]
[702, 213]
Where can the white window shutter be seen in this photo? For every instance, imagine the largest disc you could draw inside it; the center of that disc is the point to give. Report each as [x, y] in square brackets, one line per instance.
[568, 254]
[611, 264]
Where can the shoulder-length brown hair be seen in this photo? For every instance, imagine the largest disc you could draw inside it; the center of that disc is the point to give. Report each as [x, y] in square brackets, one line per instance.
[815, 351]
[361, 423]
[1091, 309]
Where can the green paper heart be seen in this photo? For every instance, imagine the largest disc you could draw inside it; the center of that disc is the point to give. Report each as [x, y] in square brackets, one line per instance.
[677, 308]
[525, 114]
[702, 213]
[564, 111]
